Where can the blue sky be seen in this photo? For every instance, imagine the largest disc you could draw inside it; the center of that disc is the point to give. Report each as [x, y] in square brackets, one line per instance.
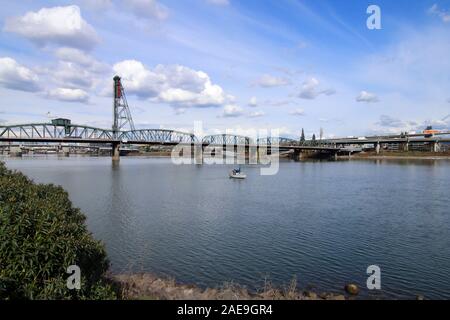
[241, 65]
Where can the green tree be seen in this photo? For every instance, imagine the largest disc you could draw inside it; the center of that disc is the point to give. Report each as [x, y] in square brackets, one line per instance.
[41, 234]
[302, 137]
[313, 139]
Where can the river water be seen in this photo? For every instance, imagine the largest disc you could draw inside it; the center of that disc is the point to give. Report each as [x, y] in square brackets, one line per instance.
[321, 222]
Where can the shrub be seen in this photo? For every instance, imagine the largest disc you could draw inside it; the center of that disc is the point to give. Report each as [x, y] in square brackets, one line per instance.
[41, 234]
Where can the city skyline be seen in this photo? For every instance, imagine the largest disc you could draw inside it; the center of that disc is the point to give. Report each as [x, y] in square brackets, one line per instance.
[233, 65]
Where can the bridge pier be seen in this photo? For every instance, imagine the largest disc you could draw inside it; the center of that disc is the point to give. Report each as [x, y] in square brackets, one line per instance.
[405, 146]
[198, 154]
[435, 146]
[378, 148]
[15, 151]
[116, 151]
[297, 155]
[65, 151]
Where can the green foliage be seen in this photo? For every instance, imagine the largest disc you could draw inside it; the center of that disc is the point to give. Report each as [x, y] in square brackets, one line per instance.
[302, 137]
[41, 234]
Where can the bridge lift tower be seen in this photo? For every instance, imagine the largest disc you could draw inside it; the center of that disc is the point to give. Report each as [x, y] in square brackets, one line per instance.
[122, 116]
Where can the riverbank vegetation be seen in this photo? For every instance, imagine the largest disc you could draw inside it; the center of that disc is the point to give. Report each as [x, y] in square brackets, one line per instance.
[41, 235]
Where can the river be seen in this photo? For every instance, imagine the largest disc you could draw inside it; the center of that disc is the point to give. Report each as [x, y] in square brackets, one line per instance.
[321, 222]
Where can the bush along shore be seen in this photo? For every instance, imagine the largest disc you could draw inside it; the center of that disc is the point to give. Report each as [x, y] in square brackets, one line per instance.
[42, 234]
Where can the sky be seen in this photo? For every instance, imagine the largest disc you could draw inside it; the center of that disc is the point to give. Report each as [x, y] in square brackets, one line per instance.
[234, 65]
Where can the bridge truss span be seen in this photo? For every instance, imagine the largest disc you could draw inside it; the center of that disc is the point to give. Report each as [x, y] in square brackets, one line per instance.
[157, 136]
[277, 141]
[40, 131]
[227, 139]
[48, 132]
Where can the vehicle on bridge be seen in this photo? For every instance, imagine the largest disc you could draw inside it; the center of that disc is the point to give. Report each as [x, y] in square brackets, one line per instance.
[429, 132]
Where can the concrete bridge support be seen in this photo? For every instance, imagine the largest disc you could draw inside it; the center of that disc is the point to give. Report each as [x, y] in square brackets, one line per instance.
[116, 151]
[198, 154]
[378, 148]
[435, 146]
[15, 151]
[296, 155]
[65, 151]
[405, 146]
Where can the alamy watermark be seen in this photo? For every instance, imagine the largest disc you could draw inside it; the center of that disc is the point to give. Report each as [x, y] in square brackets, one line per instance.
[374, 280]
[74, 280]
[374, 20]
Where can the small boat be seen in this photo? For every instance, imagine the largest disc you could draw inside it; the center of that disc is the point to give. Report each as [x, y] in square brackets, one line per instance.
[237, 174]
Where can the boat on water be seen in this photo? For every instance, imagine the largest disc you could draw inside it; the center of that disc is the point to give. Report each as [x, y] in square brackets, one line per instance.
[237, 174]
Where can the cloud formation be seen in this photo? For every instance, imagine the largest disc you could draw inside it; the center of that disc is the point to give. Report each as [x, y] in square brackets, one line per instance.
[256, 114]
[68, 95]
[232, 111]
[310, 90]
[179, 86]
[58, 25]
[17, 77]
[80, 58]
[441, 13]
[147, 9]
[77, 69]
[269, 81]
[253, 102]
[368, 97]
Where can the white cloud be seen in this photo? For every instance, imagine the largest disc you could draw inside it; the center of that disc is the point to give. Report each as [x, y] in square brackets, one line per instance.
[232, 111]
[148, 9]
[72, 75]
[443, 14]
[253, 102]
[219, 2]
[297, 112]
[310, 89]
[176, 85]
[368, 97]
[269, 81]
[394, 125]
[78, 69]
[68, 95]
[57, 25]
[80, 58]
[17, 77]
[257, 114]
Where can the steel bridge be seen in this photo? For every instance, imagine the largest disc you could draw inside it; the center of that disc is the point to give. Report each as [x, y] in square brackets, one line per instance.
[123, 132]
[48, 132]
